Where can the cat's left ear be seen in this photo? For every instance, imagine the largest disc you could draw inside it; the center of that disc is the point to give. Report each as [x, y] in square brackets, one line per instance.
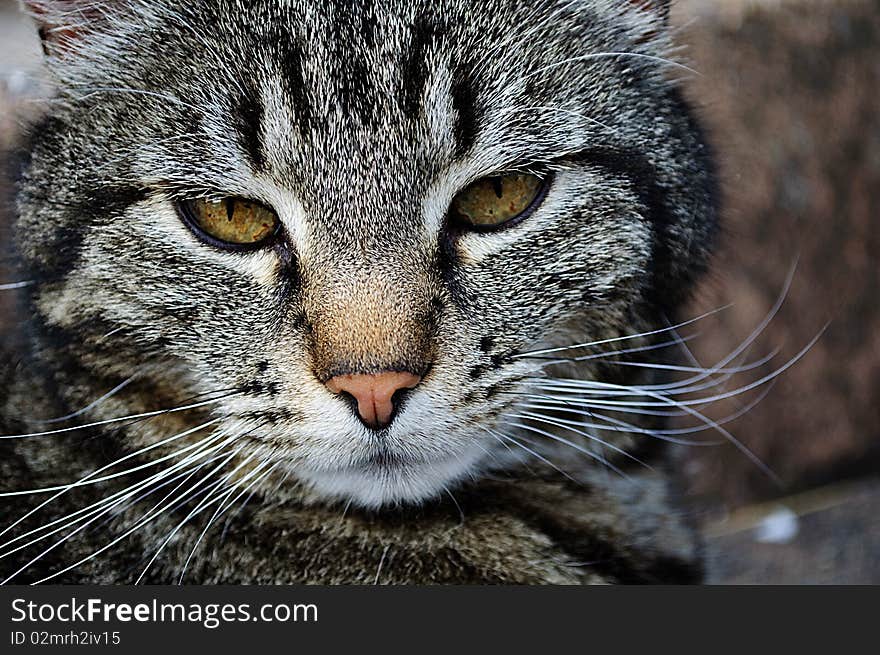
[62, 24]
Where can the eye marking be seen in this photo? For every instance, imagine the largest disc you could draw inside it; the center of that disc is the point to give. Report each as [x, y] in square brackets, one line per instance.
[498, 201]
[230, 223]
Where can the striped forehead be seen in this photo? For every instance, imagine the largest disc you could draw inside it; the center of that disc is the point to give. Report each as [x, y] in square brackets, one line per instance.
[349, 83]
[351, 90]
[358, 122]
[360, 109]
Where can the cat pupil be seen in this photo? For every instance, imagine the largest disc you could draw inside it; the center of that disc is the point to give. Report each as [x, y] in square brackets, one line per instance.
[498, 185]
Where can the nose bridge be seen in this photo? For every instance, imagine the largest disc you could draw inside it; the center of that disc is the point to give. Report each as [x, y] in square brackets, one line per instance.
[369, 319]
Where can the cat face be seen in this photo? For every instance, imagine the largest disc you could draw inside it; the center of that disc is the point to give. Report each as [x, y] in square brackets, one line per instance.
[352, 133]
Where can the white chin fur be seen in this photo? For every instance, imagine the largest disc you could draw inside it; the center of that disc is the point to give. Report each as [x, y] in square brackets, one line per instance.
[382, 486]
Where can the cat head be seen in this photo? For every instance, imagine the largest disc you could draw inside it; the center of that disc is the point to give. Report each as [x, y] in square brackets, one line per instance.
[358, 216]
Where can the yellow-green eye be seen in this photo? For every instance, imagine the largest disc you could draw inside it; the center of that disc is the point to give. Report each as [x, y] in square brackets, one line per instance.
[494, 201]
[231, 222]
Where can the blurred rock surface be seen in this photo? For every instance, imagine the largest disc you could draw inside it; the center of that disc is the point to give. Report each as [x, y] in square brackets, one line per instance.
[792, 100]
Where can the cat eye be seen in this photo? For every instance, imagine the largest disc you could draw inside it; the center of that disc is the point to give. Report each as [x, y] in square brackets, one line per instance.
[491, 202]
[235, 223]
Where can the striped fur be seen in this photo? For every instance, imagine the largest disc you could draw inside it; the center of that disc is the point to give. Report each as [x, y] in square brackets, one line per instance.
[357, 122]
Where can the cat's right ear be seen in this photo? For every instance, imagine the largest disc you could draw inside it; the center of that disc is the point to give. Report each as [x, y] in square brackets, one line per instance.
[62, 24]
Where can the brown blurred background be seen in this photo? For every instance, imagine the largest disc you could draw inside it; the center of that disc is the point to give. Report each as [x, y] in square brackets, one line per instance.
[790, 93]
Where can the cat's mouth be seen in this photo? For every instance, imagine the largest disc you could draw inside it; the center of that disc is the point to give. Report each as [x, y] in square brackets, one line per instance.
[386, 478]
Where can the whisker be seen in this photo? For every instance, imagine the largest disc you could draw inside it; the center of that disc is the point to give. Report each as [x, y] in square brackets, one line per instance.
[220, 510]
[628, 337]
[506, 437]
[381, 562]
[681, 387]
[498, 437]
[131, 417]
[164, 483]
[774, 311]
[119, 387]
[603, 55]
[244, 503]
[203, 505]
[616, 425]
[112, 332]
[66, 488]
[693, 369]
[725, 433]
[691, 384]
[108, 505]
[609, 353]
[100, 550]
[576, 447]
[457, 506]
[569, 425]
[187, 499]
[141, 523]
[663, 434]
[575, 401]
[599, 388]
[203, 448]
[16, 285]
[345, 510]
[85, 481]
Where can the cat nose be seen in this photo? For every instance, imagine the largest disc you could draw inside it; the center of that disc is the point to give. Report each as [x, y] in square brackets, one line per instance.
[376, 394]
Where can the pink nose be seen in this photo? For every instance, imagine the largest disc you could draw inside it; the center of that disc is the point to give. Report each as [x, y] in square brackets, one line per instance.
[374, 393]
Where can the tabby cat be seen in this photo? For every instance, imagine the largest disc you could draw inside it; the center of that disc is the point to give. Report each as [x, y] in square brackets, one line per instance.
[352, 292]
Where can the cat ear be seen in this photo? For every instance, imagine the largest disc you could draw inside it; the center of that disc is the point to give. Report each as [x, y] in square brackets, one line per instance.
[63, 23]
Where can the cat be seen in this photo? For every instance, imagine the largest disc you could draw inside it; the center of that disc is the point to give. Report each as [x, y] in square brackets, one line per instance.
[353, 292]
